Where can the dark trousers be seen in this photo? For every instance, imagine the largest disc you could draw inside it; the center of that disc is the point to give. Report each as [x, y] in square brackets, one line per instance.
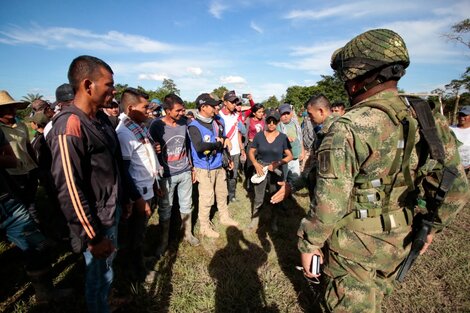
[269, 184]
[232, 176]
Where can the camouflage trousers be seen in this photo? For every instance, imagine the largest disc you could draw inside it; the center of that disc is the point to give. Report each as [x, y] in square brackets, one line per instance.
[351, 287]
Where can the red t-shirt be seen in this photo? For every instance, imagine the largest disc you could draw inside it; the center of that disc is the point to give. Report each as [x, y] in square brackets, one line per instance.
[254, 127]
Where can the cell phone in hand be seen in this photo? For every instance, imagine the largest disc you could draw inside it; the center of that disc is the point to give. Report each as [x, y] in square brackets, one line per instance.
[245, 95]
[315, 265]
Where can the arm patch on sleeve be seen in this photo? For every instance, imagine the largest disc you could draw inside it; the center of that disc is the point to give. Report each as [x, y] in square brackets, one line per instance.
[326, 168]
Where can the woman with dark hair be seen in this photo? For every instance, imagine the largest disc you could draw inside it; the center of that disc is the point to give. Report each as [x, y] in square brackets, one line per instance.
[270, 150]
[254, 124]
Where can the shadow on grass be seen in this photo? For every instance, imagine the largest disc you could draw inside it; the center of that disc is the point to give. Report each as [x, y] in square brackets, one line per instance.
[285, 245]
[234, 270]
[153, 295]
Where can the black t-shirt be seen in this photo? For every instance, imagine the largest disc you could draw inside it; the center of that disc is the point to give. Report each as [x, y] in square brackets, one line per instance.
[269, 152]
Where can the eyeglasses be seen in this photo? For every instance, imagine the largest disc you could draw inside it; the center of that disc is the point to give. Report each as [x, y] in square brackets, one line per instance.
[271, 121]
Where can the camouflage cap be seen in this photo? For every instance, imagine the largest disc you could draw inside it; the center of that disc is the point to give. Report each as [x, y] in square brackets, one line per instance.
[368, 51]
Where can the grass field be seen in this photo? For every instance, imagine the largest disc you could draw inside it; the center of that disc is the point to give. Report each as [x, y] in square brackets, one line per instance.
[245, 271]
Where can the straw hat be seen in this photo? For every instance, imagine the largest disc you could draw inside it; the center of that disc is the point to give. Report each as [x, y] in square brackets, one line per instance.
[6, 99]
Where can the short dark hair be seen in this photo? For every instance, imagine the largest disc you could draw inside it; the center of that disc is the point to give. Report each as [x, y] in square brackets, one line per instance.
[85, 66]
[131, 96]
[256, 107]
[318, 100]
[338, 104]
[170, 100]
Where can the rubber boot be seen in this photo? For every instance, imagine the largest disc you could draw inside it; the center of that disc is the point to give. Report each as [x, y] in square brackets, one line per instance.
[44, 289]
[206, 226]
[207, 230]
[164, 233]
[225, 218]
[186, 225]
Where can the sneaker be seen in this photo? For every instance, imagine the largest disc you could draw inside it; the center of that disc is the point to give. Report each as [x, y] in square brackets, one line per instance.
[256, 179]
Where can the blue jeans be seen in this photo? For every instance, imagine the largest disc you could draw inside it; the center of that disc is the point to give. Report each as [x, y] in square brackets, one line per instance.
[99, 273]
[23, 232]
[168, 185]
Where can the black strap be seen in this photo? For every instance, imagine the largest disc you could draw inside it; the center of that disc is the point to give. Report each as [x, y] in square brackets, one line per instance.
[428, 128]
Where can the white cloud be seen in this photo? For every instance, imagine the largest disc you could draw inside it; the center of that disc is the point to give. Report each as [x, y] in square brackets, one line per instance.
[157, 77]
[255, 27]
[216, 8]
[352, 10]
[236, 80]
[194, 70]
[425, 42]
[74, 38]
[315, 59]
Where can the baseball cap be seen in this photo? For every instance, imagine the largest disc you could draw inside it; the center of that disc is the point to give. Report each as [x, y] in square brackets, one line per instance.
[38, 118]
[231, 96]
[39, 105]
[273, 113]
[64, 93]
[284, 108]
[206, 99]
[465, 110]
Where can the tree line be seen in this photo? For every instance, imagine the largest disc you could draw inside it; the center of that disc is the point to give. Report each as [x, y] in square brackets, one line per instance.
[454, 95]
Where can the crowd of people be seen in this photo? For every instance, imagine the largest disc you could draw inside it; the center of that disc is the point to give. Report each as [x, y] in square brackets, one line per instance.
[103, 161]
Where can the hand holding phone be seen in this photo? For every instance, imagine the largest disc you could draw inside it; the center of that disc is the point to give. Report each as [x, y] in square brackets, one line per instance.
[315, 265]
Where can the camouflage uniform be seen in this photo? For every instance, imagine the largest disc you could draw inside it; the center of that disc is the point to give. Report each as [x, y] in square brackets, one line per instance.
[354, 161]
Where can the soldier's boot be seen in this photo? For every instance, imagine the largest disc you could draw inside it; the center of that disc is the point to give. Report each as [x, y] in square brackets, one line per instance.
[207, 230]
[44, 289]
[274, 219]
[225, 218]
[186, 225]
[164, 233]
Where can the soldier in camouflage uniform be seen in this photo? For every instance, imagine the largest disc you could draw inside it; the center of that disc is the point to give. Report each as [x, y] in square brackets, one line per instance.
[367, 167]
[318, 108]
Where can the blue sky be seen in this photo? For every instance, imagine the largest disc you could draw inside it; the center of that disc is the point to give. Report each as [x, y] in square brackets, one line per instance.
[258, 46]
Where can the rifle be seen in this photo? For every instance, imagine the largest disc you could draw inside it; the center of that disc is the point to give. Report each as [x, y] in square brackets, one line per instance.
[425, 223]
[418, 243]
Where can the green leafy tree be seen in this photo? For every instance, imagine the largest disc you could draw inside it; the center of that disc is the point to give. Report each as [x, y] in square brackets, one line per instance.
[220, 91]
[271, 102]
[298, 95]
[189, 104]
[169, 86]
[119, 90]
[332, 87]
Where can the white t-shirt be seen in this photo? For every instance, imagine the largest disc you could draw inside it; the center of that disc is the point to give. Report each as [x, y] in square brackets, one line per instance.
[463, 135]
[231, 130]
[143, 167]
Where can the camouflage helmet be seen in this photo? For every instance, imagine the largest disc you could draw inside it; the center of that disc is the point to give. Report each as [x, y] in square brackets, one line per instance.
[369, 51]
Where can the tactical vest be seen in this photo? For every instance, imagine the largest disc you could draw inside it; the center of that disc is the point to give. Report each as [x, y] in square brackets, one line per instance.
[202, 159]
[370, 203]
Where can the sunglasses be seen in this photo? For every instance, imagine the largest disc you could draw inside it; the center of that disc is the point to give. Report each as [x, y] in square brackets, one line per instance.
[271, 121]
